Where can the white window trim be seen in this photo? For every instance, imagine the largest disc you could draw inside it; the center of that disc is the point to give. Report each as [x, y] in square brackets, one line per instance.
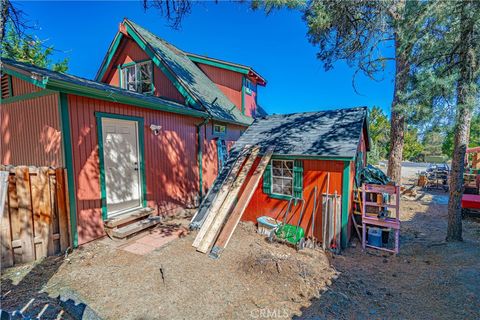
[282, 177]
[137, 76]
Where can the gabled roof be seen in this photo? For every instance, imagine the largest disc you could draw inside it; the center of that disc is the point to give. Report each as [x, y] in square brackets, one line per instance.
[330, 134]
[52, 80]
[229, 66]
[198, 89]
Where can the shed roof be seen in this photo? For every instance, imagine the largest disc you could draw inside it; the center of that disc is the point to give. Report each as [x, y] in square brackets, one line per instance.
[330, 134]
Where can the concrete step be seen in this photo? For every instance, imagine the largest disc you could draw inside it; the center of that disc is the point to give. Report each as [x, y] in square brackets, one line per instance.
[132, 228]
[127, 217]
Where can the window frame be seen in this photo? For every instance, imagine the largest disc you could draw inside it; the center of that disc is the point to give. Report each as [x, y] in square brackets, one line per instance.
[219, 133]
[292, 178]
[138, 83]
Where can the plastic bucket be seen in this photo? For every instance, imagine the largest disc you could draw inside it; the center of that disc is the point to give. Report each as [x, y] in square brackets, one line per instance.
[375, 237]
[266, 225]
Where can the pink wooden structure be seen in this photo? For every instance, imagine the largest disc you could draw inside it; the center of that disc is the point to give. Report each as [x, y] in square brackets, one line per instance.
[373, 220]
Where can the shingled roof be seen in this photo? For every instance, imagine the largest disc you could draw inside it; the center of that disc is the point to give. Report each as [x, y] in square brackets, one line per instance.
[329, 134]
[53, 80]
[194, 82]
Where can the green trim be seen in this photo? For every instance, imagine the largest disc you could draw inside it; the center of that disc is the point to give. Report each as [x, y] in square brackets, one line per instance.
[28, 96]
[141, 145]
[10, 86]
[200, 157]
[189, 99]
[120, 98]
[39, 83]
[68, 150]
[297, 182]
[345, 202]
[110, 53]
[218, 64]
[243, 95]
[119, 70]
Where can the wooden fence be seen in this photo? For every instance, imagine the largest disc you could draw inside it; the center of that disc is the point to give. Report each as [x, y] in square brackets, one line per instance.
[35, 220]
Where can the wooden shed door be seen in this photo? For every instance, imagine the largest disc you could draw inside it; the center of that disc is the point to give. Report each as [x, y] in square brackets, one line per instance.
[121, 165]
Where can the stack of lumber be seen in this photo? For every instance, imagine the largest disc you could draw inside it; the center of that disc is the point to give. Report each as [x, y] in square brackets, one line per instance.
[223, 213]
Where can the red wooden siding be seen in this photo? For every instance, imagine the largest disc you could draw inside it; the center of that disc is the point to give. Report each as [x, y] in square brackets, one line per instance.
[229, 82]
[210, 156]
[251, 103]
[31, 131]
[315, 174]
[129, 51]
[20, 87]
[170, 160]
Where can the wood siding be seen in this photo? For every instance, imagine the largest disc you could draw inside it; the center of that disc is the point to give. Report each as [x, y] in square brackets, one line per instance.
[31, 131]
[129, 51]
[20, 87]
[229, 82]
[210, 155]
[170, 160]
[251, 103]
[314, 174]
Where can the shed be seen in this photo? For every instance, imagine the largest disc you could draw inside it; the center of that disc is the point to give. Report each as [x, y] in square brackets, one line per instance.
[309, 148]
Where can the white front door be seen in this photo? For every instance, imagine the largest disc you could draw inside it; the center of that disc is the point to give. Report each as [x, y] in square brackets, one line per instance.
[121, 165]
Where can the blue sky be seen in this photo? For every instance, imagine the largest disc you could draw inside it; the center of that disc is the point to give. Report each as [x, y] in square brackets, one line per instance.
[275, 45]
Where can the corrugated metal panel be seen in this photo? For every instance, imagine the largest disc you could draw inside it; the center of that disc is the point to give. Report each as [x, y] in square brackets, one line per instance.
[229, 82]
[170, 160]
[129, 51]
[315, 174]
[20, 87]
[31, 132]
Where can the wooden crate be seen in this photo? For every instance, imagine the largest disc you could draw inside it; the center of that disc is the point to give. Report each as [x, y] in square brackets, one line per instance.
[35, 220]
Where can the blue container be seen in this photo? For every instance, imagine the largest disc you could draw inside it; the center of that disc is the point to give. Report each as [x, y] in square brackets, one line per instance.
[375, 237]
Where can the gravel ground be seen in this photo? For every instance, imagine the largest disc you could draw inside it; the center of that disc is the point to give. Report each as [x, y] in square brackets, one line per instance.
[254, 279]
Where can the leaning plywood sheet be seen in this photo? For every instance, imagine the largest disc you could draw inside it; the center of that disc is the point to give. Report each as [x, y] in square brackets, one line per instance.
[5, 246]
[212, 209]
[241, 205]
[229, 169]
[210, 236]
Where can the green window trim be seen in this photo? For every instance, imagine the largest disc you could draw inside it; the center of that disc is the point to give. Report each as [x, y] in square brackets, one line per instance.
[68, 153]
[141, 153]
[345, 203]
[122, 67]
[297, 181]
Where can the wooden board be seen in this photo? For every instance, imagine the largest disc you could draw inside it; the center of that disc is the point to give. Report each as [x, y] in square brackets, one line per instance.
[42, 210]
[212, 233]
[24, 215]
[236, 215]
[230, 169]
[220, 198]
[6, 240]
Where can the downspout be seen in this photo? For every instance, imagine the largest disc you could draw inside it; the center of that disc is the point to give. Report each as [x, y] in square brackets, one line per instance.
[200, 157]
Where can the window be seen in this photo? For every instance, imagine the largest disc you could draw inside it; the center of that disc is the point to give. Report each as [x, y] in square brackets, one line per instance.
[282, 177]
[138, 77]
[219, 130]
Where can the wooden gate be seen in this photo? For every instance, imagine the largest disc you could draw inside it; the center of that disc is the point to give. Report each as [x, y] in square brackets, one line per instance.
[35, 221]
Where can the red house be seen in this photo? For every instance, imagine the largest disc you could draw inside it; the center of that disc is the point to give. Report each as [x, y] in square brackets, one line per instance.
[149, 134]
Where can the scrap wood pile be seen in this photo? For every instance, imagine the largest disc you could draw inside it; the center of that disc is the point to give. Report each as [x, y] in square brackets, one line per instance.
[220, 213]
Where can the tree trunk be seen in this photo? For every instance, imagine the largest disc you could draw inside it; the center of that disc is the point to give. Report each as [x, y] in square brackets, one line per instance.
[4, 4]
[397, 128]
[466, 99]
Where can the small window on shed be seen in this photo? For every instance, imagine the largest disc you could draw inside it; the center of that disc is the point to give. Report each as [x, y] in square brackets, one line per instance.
[219, 130]
[283, 179]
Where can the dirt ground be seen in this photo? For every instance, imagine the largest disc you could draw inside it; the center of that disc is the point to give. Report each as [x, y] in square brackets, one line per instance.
[254, 279]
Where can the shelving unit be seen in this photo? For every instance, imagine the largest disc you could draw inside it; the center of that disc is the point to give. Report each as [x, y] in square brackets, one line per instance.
[391, 222]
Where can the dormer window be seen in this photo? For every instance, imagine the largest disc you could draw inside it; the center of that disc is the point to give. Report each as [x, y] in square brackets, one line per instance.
[138, 77]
